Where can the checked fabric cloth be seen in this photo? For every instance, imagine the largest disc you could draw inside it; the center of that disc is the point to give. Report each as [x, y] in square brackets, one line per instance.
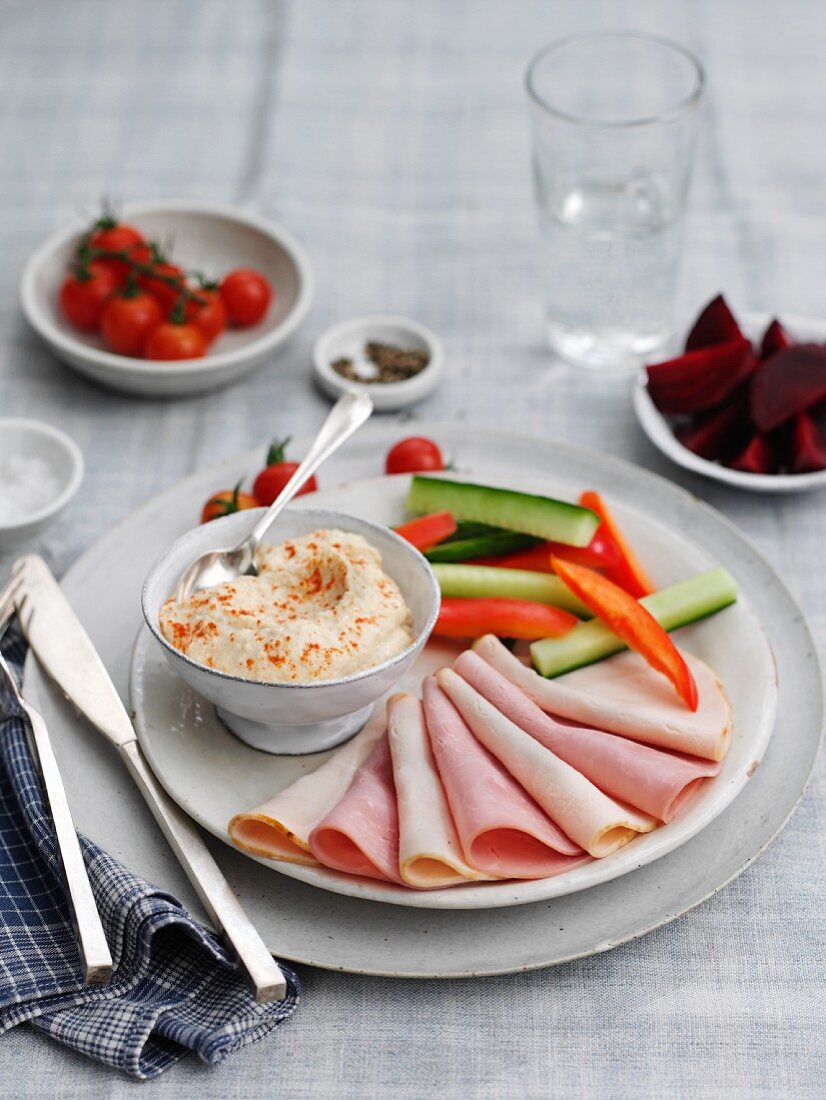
[175, 989]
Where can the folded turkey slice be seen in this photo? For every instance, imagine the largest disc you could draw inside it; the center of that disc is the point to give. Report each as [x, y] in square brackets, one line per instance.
[589, 817]
[280, 828]
[430, 854]
[624, 695]
[501, 829]
[650, 779]
[360, 835]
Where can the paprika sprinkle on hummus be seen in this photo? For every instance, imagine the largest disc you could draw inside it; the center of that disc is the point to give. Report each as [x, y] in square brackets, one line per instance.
[320, 608]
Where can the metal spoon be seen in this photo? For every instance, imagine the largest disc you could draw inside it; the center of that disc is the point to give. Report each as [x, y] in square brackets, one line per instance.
[217, 566]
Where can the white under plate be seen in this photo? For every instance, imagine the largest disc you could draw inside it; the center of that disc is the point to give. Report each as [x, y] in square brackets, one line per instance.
[658, 430]
[305, 924]
[213, 775]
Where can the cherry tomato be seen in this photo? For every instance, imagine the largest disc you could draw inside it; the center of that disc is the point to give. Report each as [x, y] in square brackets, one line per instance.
[128, 320]
[247, 296]
[226, 502]
[119, 238]
[116, 237]
[413, 455]
[173, 341]
[275, 475]
[165, 292]
[210, 318]
[84, 294]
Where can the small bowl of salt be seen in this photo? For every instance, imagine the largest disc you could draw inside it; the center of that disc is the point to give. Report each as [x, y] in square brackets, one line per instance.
[41, 469]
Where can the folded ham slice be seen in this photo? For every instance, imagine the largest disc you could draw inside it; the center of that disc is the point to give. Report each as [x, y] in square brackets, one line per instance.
[624, 695]
[501, 829]
[596, 822]
[650, 779]
[280, 828]
[360, 835]
[430, 854]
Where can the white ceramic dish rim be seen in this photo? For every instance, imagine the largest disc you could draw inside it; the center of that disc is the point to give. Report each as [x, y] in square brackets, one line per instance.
[336, 519]
[423, 380]
[490, 895]
[41, 427]
[656, 427]
[737, 852]
[206, 365]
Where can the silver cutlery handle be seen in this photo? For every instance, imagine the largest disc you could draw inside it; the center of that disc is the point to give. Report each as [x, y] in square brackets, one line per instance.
[95, 957]
[203, 872]
[349, 413]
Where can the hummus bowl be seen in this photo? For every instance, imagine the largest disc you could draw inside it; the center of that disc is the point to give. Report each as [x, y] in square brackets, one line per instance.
[295, 717]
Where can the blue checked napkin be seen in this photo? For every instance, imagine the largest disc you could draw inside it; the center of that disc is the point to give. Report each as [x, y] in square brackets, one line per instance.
[175, 986]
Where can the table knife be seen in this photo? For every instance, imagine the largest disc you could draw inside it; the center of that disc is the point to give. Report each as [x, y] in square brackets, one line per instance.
[67, 654]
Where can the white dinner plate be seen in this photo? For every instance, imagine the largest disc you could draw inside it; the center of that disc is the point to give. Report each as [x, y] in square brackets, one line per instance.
[658, 430]
[305, 924]
[213, 776]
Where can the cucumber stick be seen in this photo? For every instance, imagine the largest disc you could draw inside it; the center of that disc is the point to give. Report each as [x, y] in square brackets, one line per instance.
[480, 546]
[482, 581]
[542, 517]
[672, 607]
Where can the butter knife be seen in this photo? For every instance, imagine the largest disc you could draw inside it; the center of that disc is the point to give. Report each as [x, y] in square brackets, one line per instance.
[67, 654]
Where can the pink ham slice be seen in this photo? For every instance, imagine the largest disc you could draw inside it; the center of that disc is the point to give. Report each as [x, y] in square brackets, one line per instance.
[430, 854]
[280, 828]
[501, 829]
[588, 816]
[658, 782]
[624, 695]
[360, 835]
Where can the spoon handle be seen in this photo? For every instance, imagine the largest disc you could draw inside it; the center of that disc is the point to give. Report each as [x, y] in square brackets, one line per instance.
[349, 413]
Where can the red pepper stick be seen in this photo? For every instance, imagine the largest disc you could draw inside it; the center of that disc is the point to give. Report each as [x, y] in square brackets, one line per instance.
[633, 623]
[506, 618]
[427, 531]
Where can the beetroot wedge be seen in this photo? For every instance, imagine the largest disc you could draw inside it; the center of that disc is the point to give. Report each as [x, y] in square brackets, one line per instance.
[719, 434]
[775, 339]
[715, 325]
[760, 456]
[788, 383]
[700, 379]
[807, 447]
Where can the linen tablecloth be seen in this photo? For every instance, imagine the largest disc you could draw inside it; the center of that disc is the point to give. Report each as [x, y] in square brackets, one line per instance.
[391, 138]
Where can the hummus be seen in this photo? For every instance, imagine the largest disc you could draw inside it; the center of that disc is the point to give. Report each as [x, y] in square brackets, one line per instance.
[320, 608]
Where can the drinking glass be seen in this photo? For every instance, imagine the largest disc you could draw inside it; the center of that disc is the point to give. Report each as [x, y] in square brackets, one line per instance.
[614, 121]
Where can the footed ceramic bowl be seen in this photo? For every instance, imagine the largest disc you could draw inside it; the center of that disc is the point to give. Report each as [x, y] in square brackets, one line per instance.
[295, 718]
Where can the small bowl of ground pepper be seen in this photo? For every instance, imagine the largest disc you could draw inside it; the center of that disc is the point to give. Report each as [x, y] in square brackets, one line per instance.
[397, 360]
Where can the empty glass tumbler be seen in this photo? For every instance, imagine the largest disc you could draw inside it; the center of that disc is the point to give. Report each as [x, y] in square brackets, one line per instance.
[614, 121]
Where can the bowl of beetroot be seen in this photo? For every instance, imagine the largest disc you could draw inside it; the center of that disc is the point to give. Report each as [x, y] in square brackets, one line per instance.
[745, 402]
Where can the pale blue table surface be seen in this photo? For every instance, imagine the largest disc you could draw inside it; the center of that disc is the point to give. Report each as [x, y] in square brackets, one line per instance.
[391, 138]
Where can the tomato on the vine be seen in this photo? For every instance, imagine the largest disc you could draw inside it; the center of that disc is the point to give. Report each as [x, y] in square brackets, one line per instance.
[228, 501]
[128, 320]
[247, 296]
[271, 481]
[84, 293]
[175, 341]
[210, 315]
[167, 293]
[413, 456]
[117, 237]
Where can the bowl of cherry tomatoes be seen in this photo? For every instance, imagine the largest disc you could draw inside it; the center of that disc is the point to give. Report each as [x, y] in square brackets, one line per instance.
[167, 298]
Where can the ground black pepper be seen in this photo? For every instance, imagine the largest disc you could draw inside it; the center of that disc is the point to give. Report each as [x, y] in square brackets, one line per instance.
[392, 364]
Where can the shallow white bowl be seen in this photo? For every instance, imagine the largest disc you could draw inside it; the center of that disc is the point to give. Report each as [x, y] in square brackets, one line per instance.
[36, 439]
[208, 237]
[295, 718]
[659, 431]
[347, 339]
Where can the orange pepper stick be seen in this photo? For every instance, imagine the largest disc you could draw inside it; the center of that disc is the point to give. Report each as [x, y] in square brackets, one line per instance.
[632, 622]
[627, 573]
